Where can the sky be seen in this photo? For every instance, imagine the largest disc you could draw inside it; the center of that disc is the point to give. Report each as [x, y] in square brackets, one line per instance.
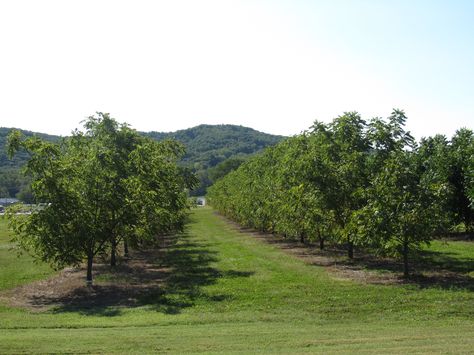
[275, 66]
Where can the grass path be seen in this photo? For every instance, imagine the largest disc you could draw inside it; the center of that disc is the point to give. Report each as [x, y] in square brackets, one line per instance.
[231, 293]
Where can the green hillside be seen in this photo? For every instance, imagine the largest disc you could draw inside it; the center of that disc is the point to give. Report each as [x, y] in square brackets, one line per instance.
[206, 146]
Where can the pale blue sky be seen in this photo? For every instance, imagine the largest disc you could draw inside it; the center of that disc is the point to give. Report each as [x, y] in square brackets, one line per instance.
[271, 65]
[425, 47]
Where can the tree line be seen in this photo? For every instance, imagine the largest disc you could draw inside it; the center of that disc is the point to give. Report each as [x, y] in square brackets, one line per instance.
[100, 188]
[15, 184]
[360, 184]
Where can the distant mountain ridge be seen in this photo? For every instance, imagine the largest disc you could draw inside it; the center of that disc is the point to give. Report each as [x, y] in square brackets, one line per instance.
[206, 146]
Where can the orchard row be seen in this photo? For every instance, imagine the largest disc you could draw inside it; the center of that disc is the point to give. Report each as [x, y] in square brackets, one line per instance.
[358, 184]
[100, 188]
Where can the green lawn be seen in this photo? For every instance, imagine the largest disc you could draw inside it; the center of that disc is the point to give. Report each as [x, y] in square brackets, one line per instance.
[232, 293]
[15, 271]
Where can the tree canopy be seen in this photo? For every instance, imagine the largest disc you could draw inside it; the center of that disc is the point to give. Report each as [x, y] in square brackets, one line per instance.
[358, 183]
[99, 186]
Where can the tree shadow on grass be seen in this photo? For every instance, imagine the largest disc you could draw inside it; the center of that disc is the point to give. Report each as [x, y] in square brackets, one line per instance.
[460, 236]
[444, 270]
[166, 280]
[429, 269]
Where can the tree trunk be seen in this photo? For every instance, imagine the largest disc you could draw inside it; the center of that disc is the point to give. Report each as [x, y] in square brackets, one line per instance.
[469, 229]
[125, 248]
[90, 258]
[405, 259]
[350, 249]
[302, 238]
[113, 252]
[321, 240]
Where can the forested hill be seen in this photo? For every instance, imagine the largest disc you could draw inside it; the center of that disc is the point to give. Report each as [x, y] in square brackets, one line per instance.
[208, 145]
[21, 157]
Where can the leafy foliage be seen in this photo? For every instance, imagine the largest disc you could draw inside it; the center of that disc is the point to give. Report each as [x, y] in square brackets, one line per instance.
[357, 183]
[101, 186]
[404, 209]
[461, 177]
[22, 157]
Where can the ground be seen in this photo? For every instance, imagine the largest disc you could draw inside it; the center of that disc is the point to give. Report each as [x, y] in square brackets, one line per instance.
[222, 289]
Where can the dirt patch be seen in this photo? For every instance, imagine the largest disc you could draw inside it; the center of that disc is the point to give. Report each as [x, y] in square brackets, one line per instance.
[124, 285]
[166, 279]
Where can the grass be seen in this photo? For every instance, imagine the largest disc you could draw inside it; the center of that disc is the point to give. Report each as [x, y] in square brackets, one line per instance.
[14, 270]
[230, 293]
[457, 256]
